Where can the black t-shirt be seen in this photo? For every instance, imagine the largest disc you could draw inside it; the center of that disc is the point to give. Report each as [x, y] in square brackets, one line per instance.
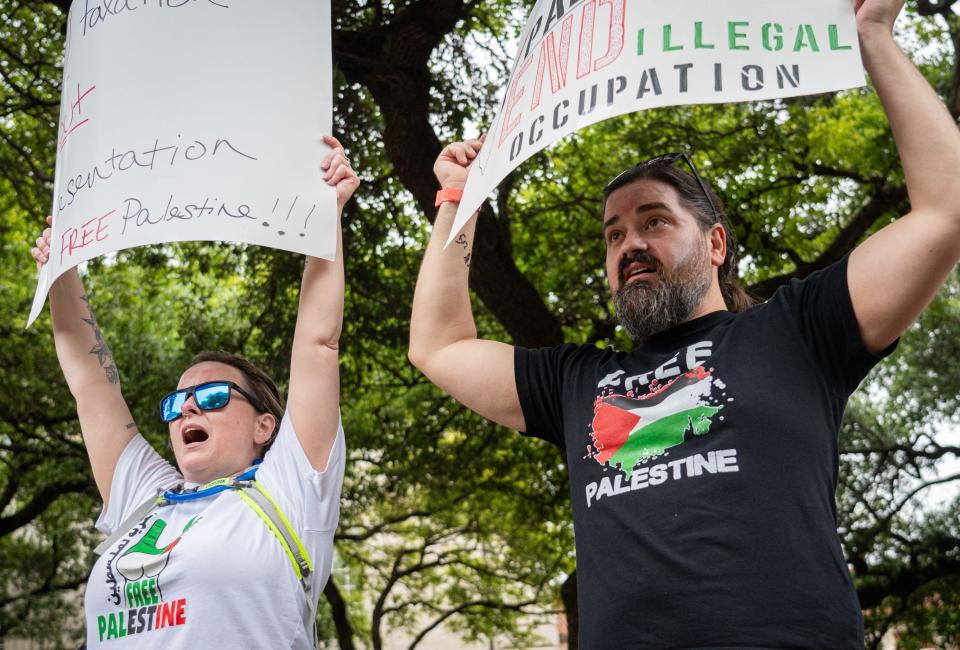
[703, 469]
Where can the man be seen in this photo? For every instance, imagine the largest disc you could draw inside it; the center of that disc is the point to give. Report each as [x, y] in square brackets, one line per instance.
[703, 464]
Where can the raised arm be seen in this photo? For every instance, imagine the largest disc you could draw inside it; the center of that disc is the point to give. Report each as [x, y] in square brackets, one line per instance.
[314, 395]
[90, 371]
[895, 274]
[443, 336]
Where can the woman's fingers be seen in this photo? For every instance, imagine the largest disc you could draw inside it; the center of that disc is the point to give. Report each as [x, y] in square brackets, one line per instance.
[39, 256]
[334, 163]
[41, 251]
[332, 141]
[337, 170]
[341, 172]
[330, 158]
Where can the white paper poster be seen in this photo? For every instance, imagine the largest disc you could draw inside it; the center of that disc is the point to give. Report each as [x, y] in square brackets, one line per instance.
[192, 120]
[583, 61]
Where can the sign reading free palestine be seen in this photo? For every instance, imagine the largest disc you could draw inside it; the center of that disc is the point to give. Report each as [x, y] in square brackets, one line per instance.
[196, 120]
[583, 61]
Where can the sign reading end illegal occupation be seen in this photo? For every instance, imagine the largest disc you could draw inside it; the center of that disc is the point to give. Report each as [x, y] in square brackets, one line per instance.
[583, 61]
[196, 120]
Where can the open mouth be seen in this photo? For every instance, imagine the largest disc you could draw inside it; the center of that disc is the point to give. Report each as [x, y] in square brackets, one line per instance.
[193, 434]
[636, 271]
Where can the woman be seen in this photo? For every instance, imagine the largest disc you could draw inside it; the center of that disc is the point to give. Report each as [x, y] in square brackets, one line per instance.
[214, 566]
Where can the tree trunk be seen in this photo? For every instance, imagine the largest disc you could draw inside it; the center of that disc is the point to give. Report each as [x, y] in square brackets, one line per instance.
[338, 608]
[391, 60]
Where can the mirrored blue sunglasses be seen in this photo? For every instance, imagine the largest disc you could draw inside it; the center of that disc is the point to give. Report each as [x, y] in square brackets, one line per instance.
[208, 396]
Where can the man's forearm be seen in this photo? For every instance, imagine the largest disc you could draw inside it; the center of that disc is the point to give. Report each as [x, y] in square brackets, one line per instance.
[442, 314]
[927, 138]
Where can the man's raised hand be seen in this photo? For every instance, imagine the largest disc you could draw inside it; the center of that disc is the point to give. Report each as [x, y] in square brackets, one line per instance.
[877, 14]
[453, 163]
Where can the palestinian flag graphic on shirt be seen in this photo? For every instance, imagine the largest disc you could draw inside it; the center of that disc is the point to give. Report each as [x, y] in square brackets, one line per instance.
[139, 605]
[628, 430]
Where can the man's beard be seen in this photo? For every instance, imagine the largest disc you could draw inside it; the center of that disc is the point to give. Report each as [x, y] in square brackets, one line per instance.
[645, 309]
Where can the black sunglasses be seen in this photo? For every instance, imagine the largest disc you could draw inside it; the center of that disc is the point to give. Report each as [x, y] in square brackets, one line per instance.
[669, 159]
[209, 396]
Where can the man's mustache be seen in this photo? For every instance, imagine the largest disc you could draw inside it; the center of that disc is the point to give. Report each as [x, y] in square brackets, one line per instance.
[641, 257]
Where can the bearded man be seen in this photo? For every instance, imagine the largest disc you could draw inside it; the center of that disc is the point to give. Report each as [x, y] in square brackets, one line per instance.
[703, 463]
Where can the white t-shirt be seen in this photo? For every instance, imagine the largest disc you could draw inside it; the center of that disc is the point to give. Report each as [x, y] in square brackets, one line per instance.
[210, 573]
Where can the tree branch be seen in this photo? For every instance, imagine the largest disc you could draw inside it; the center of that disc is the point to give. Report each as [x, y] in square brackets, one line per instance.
[884, 201]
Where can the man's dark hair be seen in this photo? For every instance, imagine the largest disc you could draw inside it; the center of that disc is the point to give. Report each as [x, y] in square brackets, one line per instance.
[258, 383]
[692, 198]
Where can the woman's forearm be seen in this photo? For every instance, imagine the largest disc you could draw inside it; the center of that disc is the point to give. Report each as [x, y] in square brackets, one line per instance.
[83, 353]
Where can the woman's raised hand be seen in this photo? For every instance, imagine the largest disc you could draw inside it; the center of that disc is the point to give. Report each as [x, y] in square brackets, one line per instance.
[41, 252]
[338, 172]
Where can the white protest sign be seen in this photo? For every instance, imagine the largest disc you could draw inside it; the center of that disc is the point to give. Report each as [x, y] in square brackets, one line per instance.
[583, 61]
[192, 120]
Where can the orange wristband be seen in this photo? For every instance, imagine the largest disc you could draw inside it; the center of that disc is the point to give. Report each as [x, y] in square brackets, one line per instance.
[448, 194]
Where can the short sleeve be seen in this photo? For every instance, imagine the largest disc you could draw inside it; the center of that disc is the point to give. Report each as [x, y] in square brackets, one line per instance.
[541, 375]
[821, 307]
[139, 474]
[310, 499]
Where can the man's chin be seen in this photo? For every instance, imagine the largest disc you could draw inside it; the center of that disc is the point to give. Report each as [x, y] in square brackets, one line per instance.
[637, 281]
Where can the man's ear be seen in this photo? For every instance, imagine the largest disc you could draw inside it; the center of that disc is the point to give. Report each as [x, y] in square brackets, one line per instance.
[266, 425]
[717, 242]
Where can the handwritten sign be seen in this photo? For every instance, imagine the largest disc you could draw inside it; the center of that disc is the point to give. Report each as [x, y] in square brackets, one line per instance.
[192, 120]
[583, 61]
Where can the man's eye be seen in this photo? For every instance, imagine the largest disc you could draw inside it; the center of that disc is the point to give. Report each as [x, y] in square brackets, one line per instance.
[656, 222]
[614, 237]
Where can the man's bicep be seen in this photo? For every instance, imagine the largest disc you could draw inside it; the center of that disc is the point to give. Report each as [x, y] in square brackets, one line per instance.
[895, 274]
[480, 375]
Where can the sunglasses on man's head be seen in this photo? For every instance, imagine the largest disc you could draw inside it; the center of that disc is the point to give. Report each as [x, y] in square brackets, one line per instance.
[208, 397]
[669, 159]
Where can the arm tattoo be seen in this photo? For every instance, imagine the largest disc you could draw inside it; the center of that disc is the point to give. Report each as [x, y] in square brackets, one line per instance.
[104, 356]
[462, 240]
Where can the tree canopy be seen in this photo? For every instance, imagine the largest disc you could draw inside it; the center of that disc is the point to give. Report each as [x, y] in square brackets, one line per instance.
[448, 519]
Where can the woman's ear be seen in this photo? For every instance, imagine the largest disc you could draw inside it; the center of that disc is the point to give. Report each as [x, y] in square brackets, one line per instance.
[266, 425]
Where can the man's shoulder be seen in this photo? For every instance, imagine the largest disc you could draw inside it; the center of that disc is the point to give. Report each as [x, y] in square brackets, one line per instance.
[562, 361]
[567, 352]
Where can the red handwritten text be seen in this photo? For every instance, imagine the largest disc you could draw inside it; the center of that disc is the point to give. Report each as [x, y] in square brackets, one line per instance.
[75, 120]
[94, 230]
[553, 55]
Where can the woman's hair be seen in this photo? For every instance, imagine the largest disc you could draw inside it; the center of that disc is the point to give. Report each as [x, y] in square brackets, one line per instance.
[258, 383]
[692, 198]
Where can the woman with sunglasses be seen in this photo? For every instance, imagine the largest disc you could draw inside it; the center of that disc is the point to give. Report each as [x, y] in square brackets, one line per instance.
[233, 547]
